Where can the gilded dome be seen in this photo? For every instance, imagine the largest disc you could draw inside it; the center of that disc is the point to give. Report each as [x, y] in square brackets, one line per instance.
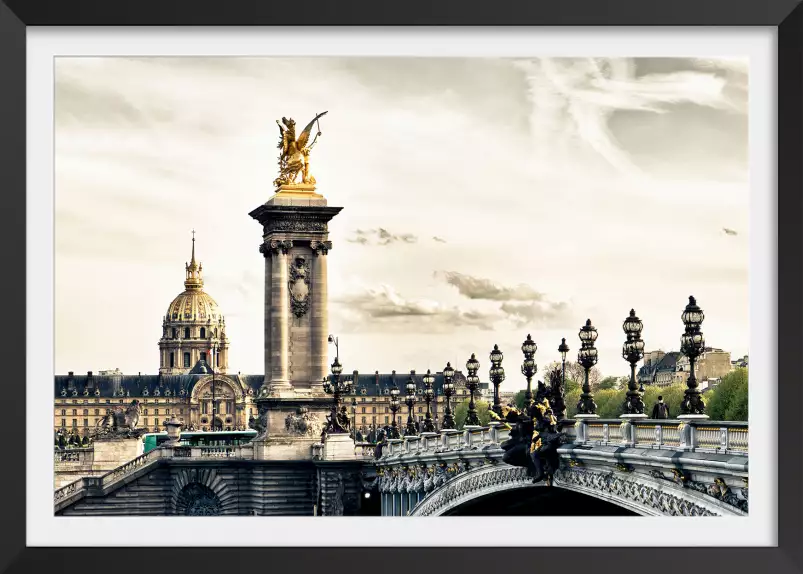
[193, 305]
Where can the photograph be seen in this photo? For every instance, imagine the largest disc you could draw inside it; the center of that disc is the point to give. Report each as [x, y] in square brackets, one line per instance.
[537, 269]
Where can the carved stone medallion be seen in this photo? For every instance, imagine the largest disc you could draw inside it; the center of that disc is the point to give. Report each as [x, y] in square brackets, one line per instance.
[299, 286]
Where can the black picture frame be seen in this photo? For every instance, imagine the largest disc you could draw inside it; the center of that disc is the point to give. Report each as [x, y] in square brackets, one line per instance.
[786, 15]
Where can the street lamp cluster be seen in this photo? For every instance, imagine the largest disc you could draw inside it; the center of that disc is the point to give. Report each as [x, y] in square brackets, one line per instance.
[692, 345]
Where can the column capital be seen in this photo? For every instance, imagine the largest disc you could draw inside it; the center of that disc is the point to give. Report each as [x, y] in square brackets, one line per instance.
[274, 247]
[321, 247]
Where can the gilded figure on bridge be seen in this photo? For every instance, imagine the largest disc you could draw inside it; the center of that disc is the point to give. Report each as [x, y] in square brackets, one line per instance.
[294, 156]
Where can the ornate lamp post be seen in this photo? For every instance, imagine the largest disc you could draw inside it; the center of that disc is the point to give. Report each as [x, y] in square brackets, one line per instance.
[448, 391]
[497, 375]
[410, 429]
[429, 394]
[338, 422]
[528, 369]
[473, 383]
[354, 380]
[587, 357]
[633, 352]
[395, 405]
[692, 343]
[563, 349]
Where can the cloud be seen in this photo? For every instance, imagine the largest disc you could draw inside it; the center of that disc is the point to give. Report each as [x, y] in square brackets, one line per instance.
[537, 313]
[438, 239]
[477, 288]
[384, 308]
[380, 237]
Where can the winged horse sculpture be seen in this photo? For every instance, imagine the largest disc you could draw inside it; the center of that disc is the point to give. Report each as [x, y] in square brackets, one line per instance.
[294, 156]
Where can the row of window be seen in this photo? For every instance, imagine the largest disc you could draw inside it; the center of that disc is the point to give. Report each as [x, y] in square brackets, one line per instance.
[174, 333]
[107, 401]
[97, 412]
[187, 358]
[86, 422]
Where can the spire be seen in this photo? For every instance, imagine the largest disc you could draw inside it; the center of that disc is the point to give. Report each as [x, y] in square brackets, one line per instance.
[193, 269]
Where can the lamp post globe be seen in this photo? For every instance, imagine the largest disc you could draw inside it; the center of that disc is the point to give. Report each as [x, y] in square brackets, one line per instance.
[429, 394]
[528, 369]
[410, 387]
[473, 383]
[448, 391]
[633, 352]
[692, 344]
[587, 357]
[497, 375]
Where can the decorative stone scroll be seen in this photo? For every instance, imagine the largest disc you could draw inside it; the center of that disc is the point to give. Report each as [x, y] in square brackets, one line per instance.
[274, 247]
[320, 247]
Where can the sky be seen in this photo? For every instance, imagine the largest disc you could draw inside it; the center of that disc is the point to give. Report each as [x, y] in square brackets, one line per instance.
[483, 200]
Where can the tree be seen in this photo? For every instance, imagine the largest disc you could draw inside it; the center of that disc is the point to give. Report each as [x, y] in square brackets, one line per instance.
[728, 401]
[461, 412]
[609, 383]
[575, 372]
[518, 399]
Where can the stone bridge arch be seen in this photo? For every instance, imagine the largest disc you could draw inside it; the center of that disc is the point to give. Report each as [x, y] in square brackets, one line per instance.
[201, 491]
[638, 493]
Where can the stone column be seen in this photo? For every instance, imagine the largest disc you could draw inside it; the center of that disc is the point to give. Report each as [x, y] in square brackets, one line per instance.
[319, 319]
[280, 320]
[266, 252]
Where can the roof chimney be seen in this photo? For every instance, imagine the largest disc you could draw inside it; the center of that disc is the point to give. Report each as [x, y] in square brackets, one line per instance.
[89, 373]
[70, 373]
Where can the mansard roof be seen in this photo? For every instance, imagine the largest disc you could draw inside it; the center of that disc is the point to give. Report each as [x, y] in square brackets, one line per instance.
[374, 384]
[140, 385]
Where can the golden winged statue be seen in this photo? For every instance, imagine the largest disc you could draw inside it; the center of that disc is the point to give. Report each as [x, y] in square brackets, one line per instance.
[294, 156]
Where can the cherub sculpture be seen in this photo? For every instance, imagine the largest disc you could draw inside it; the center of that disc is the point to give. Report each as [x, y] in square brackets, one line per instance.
[294, 156]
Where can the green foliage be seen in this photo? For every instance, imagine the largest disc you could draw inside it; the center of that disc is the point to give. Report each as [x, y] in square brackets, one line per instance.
[673, 396]
[572, 386]
[518, 399]
[728, 401]
[608, 383]
[461, 412]
[572, 397]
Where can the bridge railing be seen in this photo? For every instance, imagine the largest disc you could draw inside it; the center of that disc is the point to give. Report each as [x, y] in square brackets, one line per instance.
[727, 437]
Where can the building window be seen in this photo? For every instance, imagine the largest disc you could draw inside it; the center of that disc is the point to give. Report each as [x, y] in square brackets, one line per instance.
[363, 420]
[203, 357]
[86, 422]
[420, 409]
[156, 411]
[97, 412]
[217, 359]
[63, 423]
[186, 359]
[156, 423]
[373, 409]
[63, 413]
[86, 412]
[167, 411]
[373, 420]
[175, 333]
[203, 407]
[74, 412]
[387, 420]
[362, 399]
[75, 422]
[363, 410]
[186, 332]
[386, 410]
[145, 412]
[145, 422]
[203, 333]
[172, 358]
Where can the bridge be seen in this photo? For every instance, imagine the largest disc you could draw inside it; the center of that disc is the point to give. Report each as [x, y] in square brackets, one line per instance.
[646, 467]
